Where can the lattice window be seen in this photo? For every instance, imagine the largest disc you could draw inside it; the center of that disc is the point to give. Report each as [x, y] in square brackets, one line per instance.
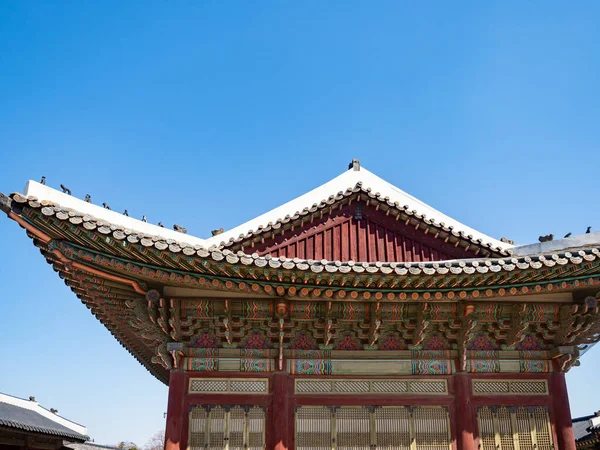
[208, 386]
[351, 386]
[428, 387]
[366, 386]
[248, 386]
[225, 386]
[313, 386]
[237, 428]
[491, 387]
[362, 428]
[529, 387]
[510, 387]
[390, 386]
[514, 428]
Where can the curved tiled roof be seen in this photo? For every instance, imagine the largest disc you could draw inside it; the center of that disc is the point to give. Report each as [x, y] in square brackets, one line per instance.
[586, 430]
[12, 416]
[338, 189]
[453, 267]
[91, 446]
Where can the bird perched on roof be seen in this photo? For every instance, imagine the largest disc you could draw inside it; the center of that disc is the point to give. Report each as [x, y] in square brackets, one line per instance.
[589, 229]
[125, 213]
[88, 199]
[105, 205]
[568, 234]
[65, 189]
[217, 232]
[43, 181]
[144, 219]
[160, 224]
[547, 238]
[179, 229]
[354, 165]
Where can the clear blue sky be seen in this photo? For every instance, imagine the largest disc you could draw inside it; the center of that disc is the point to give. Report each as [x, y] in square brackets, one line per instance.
[209, 113]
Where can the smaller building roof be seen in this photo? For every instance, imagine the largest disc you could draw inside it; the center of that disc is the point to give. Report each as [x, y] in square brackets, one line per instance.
[586, 429]
[29, 416]
[90, 446]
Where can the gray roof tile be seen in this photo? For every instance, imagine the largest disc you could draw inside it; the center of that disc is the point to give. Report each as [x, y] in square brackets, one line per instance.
[12, 416]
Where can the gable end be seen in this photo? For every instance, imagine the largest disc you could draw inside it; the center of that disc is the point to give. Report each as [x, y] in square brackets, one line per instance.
[360, 231]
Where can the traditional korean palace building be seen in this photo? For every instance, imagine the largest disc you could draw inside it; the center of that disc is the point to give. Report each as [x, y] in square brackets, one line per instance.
[353, 317]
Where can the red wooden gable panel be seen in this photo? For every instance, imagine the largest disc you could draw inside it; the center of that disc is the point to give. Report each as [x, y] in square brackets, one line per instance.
[343, 235]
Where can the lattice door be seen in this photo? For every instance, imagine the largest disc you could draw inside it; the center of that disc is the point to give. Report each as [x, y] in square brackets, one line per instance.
[313, 428]
[543, 434]
[487, 430]
[235, 428]
[432, 428]
[517, 428]
[393, 426]
[198, 422]
[216, 427]
[256, 428]
[352, 428]
[524, 432]
[506, 430]
[364, 428]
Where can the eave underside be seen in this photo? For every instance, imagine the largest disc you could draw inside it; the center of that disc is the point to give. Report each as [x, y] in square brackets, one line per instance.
[427, 307]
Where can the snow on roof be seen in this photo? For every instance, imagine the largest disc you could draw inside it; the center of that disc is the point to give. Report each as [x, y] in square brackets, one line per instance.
[43, 192]
[34, 406]
[346, 180]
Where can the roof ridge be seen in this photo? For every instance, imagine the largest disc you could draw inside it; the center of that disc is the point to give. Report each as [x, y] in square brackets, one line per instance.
[583, 418]
[94, 444]
[369, 183]
[13, 396]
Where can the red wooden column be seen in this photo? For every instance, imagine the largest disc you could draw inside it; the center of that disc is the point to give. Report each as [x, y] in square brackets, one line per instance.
[464, 422]
[279, 429]
[175, 413]
[562, 413]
